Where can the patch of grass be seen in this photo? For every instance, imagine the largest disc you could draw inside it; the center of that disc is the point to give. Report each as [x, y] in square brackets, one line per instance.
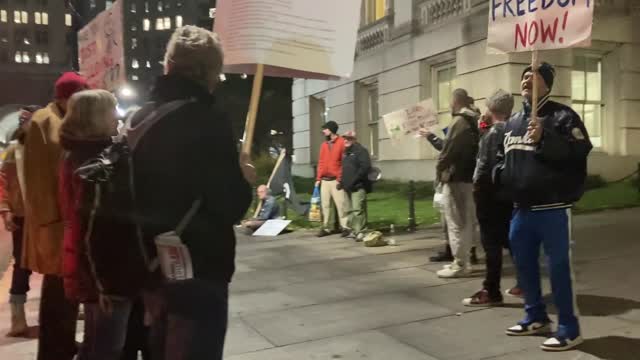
[611, 196]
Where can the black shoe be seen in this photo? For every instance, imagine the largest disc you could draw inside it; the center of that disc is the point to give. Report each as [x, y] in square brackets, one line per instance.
[441, 257]
[345, 233]
[474, 256]
[323, 233]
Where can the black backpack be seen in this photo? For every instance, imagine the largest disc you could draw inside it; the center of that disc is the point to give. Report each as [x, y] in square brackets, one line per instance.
[122, 262]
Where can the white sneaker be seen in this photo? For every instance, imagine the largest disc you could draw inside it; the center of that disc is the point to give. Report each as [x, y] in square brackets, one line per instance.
[561, 343]
[454, 270]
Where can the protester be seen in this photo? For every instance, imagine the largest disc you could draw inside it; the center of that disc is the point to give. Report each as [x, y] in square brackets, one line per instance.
[329, 177]
[88, 126]
[544, 169]
[455, 171]
[12, 211]
[42, 248]
[269, 209]
[446, 255]
[493, 207]
[189, 154]
[355, 182]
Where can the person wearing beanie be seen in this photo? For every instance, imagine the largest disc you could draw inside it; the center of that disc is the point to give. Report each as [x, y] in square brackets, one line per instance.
[355, 182]
[543, 169]
[42, 248]
[329, 178]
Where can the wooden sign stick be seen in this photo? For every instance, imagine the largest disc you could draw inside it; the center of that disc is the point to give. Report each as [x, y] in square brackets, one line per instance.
[535, 65]
[250, 124]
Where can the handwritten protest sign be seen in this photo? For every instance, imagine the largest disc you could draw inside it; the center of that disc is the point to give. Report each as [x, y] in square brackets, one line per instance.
[101, 49]
[302, 38]
[525, 25]
[408, 121]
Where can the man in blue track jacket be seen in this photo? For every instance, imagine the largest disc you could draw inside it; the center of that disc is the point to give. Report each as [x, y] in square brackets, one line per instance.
[544, 167]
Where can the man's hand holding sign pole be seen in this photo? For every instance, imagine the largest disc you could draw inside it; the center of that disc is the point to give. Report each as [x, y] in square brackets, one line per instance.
[533, 25]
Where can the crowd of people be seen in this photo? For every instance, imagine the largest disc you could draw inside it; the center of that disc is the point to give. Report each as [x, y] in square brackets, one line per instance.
[180, 141]
[512, 176]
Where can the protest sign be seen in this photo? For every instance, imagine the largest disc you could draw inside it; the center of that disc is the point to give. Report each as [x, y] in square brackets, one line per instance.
[303, 38]
[526, 25]
[408, 121]
[272, 228]
[101, 49]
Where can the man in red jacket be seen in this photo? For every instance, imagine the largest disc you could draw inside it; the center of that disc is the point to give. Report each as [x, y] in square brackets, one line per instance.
[329, 178]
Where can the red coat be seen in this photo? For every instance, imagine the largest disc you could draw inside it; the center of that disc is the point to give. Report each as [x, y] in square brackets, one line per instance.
[330, 162]
[79, 281]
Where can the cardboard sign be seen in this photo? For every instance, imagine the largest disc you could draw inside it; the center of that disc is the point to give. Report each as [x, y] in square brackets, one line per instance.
[272, 227]
[101, 49]
[303, 38]
[408, 121]
[174, 257]
[525, 25]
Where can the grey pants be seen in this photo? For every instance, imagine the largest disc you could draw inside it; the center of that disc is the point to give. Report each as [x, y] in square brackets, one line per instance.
[460, 212]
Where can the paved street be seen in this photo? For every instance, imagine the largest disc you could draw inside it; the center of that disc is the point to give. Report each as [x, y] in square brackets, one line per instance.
[297, 297]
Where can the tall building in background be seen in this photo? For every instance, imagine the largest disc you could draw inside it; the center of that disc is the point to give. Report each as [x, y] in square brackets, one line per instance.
[34, 49]
[148, 26]
[38, 41]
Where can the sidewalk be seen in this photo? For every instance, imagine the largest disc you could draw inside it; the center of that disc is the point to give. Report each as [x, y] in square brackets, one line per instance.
[297, 297]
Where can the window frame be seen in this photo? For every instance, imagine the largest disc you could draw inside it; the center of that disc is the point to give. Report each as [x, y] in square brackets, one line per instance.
[373, 11]
[598, 104]
[435, 70]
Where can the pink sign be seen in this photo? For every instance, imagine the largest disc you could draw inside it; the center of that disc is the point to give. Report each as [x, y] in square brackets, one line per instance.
[525, 25]
[101, 49]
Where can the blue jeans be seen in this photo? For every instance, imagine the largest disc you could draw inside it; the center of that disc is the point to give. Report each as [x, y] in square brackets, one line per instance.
[552, 230]
[189, 320]
[104, 334]
[20, 277]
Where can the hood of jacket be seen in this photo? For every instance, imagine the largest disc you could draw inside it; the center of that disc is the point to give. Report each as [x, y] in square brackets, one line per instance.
[470, 112]
[83, 145]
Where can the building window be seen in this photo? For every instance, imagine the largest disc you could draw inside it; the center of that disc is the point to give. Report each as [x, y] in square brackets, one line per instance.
[148, 64]
[25, 17]
[38, 58]
[178, 21]
[134, 64]
[160, 7]
[134, 27]
[18, 57]
[134, 77]
[445, 83]
[92, 4]
[37, 18]
[25, 57]
[159, 24]
[134, 43]
[3, 16]
[45, 58]
[167, 23]
[133, 8]
[374, 116]
[68, 20]
[45, 18]
[16, 17]
[108, 4]
[146, 24]
[586, 94]
[146, 6]
[374, 10]
[212, 13]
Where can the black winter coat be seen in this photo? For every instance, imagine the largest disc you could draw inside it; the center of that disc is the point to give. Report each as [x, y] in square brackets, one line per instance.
[355, 168]
[191, 154]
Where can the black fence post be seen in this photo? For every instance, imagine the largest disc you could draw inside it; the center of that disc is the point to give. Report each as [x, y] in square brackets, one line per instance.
[412, 206]
[638, 180]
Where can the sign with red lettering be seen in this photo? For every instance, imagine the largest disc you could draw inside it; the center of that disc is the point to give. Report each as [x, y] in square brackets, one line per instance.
[101, 49]
[526, 25]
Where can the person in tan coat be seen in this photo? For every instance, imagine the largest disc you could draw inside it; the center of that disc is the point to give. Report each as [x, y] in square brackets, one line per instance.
[42, 251]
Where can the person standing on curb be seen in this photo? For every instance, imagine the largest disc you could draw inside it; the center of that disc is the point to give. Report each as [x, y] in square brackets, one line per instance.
[544, 168]
[356, 184]
[12, 211]
[42, 248]
[329, 179]
[493, 207]
[455, 169]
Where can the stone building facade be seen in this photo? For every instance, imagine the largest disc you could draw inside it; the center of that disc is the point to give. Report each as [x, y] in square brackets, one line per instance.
[410, 50]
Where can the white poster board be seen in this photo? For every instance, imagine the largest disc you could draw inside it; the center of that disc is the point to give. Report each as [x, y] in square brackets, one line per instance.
[101, 49]
[408, 121]
[293, 38]
[272, 227]
[519, 25]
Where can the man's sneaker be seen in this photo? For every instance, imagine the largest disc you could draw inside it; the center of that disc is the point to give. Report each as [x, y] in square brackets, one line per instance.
[346, 233]
[323, 233]
[531, 328]
[482, 299]
[474, 256]
[561, 343]
[515, 292]
[454, 271]
[360, 237]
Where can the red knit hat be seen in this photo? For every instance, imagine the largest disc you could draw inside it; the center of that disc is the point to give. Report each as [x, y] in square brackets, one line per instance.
[68, 84]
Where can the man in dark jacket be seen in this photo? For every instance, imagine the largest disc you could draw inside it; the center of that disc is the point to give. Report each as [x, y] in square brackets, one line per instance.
[544, 168]
[492, 207]
[190, 154]
[454, 170]
[355, 168]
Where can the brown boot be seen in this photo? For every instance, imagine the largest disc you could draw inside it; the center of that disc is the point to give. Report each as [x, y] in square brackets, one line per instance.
[19, 327]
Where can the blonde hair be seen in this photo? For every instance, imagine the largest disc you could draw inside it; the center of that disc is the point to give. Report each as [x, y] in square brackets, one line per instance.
[90, 113]
[195, 53]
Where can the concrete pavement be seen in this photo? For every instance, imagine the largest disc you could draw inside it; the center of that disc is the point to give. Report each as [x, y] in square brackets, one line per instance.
[297, 297]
